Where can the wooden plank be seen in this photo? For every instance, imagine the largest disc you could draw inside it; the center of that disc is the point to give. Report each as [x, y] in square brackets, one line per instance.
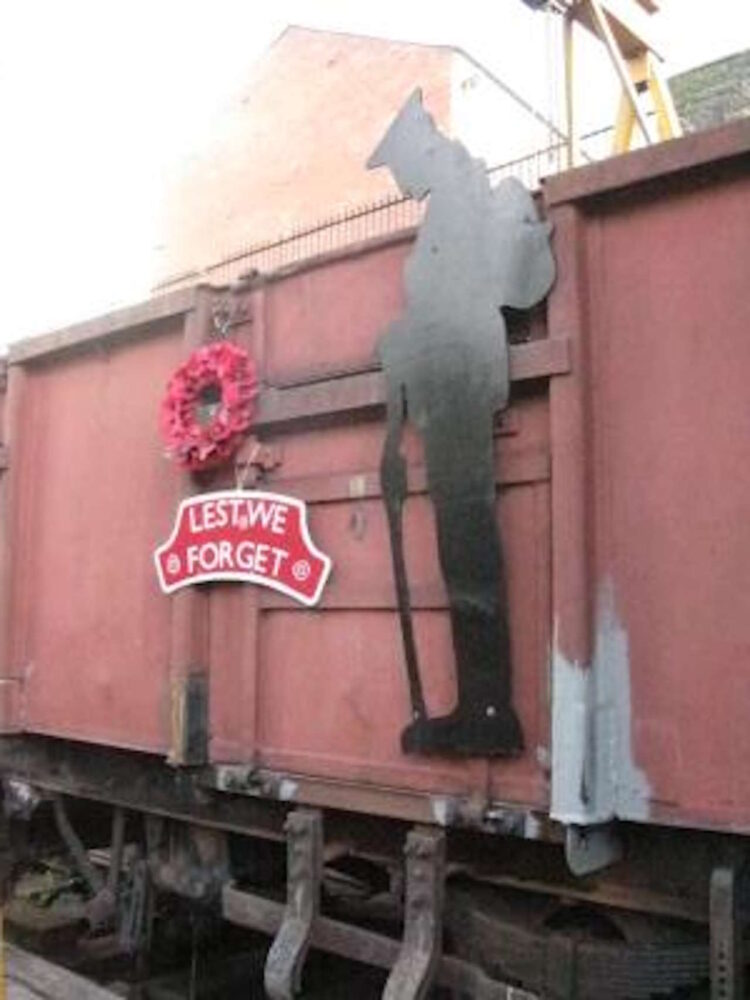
[103, 328]
[189, 646]
[619, 54]
[702, 149]
[628, 22]
[532, 465]
[31, 978]
[13, 418]
[667, 119]
[362, 394]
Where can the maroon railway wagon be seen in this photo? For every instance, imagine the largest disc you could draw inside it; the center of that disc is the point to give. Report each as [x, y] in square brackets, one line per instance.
[226, 724]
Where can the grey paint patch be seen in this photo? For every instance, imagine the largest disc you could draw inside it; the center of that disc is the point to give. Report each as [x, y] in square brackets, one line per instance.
[444, 810]
[287, 790]
[594, 776]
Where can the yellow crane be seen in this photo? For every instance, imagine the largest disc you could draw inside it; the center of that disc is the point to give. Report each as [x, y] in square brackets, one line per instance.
[624, 29]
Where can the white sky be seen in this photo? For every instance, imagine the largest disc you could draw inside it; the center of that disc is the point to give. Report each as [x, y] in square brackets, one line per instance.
[99, 99]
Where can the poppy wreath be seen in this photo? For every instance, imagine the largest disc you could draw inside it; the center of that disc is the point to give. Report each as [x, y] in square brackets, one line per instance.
[209, 405]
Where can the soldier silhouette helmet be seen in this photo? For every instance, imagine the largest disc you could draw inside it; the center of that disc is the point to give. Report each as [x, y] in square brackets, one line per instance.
[407, 147]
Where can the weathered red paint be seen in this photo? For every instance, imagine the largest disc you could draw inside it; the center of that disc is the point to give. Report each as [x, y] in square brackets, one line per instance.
[629, 469]
[651, 482]
[88, 633]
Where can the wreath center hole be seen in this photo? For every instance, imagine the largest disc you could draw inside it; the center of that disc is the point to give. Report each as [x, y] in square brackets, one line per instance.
[208, 404]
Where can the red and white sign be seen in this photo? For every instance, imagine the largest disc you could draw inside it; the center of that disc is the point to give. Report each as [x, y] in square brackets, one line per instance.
[246, 536]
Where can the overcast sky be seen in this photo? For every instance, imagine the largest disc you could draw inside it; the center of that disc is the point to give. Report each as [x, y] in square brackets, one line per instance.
[99, 99]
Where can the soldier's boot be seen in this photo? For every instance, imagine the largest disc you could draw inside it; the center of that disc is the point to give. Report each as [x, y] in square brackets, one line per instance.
[484, 722]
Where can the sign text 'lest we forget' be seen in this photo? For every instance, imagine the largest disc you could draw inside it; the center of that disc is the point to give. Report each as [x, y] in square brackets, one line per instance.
[244, 536]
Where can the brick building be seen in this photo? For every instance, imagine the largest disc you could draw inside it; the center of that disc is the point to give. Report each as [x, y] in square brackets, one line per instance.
[713, 94]
[290, 149]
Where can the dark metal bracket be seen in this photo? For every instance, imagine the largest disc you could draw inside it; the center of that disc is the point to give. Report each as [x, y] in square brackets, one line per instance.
[189, 720]
[589, 849]
[727, 908]
[416, 968]
[286, 957]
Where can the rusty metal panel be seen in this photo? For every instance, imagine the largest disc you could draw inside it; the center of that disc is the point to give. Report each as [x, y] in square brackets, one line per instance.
[319, 692]
[623, 499]
[323, 319]
[322, 692]
[651, 494]
[89, 633]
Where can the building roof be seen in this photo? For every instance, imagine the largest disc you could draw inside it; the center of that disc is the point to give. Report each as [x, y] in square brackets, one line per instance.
[713, 94]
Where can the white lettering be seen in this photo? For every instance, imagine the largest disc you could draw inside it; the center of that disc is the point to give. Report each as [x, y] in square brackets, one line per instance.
[279, 555]
[244, 555]
[261, 557]
[225, 555]
[278, 527]
[259, 511]
[209, 514]
[222, 517]
[228, 512]
[209, 557]
[236, 504]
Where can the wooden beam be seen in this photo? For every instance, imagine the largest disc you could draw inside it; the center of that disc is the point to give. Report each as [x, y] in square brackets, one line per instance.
[726, 147]
[667, 120]
[104, 328]
[604, 29]
[361, 395]
[570, 116]
[32, 977]
[628, 22]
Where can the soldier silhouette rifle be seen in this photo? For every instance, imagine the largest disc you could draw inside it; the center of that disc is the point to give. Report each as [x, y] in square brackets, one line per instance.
[445, 362]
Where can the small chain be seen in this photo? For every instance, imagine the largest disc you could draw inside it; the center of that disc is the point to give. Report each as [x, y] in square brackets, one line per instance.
[222, 321]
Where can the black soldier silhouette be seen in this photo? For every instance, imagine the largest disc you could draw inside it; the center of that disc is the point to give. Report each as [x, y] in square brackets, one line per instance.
[446, 368]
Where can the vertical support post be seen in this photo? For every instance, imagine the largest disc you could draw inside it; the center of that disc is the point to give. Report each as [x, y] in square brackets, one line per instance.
[12, 421]
[189, 639]
[571, 500]
[570, 421]
[570, 115]
[5, 578]
[667, 120]
[5, 584]
[3, 993]
[77, 850]
[414, 972]
[286, 957]
[233, 652]
[117, 850]
[727, 972]
[646, 75]
[624, 125]
[607, 36]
